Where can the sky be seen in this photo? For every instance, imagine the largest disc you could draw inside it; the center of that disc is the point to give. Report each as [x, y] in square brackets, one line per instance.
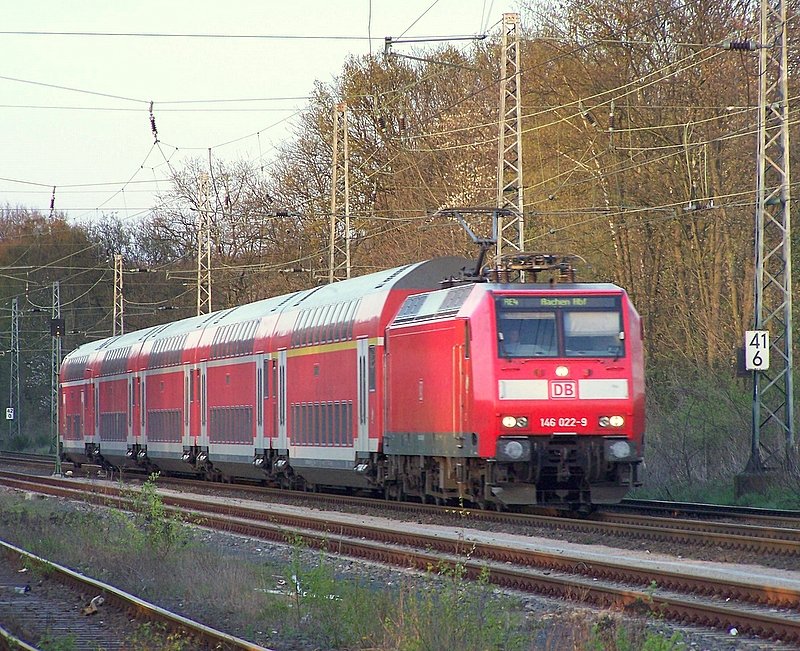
[75, 92]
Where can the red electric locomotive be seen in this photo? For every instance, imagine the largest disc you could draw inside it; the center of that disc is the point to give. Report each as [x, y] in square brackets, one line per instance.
[495, 393]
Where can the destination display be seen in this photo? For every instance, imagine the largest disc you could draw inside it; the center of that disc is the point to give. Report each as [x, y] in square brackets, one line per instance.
[548, 302]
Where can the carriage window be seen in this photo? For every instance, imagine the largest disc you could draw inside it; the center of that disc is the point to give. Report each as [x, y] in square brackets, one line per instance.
[592, 334]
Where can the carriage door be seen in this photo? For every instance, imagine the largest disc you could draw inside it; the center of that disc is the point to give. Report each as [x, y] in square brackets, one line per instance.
[201, 386]
[283, 442]
[188, 386]
[140, 407]
[96, 391]
[262, 394]
[362, 350]
[132, 421]
[88, 421]
[81, 422]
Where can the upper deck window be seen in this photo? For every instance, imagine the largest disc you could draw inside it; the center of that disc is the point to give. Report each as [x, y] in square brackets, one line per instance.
[559, 326]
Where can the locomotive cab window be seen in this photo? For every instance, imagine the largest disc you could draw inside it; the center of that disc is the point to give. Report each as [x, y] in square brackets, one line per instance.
[528, 334]
[559, 326]
[592, 334]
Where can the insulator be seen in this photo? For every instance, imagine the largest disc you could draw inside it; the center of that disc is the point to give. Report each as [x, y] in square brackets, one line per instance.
[748, 45]
[153, 123]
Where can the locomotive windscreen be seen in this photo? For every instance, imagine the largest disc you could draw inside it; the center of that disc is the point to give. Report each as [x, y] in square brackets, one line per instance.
[563, 326]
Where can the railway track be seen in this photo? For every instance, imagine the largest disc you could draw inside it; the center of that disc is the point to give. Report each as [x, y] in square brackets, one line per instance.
[39, 599]
[27, 458]
[751, 515]
[773, 538]
[764, 606]
[752, 531]
[776, 518]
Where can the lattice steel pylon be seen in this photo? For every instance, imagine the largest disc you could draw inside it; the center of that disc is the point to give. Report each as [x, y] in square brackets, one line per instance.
[339, 236]
[773, 408]
[119, 302]
[13, 384]
[510, 231]
[55, 373]
[203, 249]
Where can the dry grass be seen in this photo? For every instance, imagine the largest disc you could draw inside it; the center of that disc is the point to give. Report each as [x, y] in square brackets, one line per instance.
[289, 597]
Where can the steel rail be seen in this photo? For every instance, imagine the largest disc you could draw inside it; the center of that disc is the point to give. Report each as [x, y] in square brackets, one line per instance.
[202, 635]
[715, 510]
[719, 534]
[593, 584]
[761, 540]
[536, 575]
[10, 642]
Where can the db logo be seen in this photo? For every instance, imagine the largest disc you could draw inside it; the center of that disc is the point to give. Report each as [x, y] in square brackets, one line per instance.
[563, 389]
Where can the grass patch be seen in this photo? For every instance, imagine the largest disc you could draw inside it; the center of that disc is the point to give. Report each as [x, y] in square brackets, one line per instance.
[300, 599]
[785, 494]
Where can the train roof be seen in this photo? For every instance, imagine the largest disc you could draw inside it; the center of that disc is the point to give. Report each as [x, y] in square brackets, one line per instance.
[557, 287]
[418, 276]
[448, 302]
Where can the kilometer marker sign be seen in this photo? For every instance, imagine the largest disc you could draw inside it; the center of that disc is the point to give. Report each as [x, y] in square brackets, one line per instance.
[756, 350]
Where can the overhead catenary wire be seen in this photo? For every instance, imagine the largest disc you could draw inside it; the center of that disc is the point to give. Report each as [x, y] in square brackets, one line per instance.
[258, 132]
[219, 145]
[212, 35]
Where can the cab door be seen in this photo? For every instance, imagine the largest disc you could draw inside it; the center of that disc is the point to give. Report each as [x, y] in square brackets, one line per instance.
[461, 404]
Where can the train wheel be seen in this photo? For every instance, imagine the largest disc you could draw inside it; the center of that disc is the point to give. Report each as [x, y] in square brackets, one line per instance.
[582, 510]
[393, 492]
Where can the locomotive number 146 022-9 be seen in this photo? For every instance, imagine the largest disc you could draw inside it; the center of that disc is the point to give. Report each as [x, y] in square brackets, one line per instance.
[563, 421]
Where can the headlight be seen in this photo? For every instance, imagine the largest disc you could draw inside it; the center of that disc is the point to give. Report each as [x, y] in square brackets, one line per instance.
[619, 450]
[511, 422]
[611, 421]
[513, 449]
